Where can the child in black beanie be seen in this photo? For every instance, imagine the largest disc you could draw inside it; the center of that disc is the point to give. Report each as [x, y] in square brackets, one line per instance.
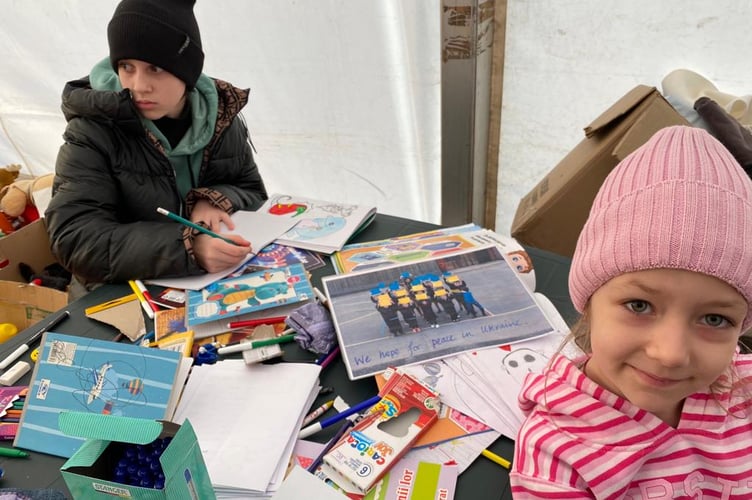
[147, 129]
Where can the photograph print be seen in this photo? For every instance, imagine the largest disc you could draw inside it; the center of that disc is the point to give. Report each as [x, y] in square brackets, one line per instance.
[416, 312]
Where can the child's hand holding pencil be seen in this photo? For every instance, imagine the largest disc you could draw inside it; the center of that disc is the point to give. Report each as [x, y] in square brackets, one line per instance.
[217, 253]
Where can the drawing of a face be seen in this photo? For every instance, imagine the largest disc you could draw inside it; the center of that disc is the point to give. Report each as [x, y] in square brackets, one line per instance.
[520, 362]
[520, 261]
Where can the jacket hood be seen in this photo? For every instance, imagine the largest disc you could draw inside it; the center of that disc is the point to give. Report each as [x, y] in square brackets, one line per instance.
[79, 101]
[203, 102]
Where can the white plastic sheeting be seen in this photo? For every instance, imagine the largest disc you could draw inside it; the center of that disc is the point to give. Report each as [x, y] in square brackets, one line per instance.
[345, 94]
[566, 61]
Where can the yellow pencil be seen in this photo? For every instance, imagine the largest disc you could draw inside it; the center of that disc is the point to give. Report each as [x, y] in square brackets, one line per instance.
[144, 304]
[496, 458]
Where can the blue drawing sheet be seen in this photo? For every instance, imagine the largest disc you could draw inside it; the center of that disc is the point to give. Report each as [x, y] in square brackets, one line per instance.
[93, 376]
[247, 293]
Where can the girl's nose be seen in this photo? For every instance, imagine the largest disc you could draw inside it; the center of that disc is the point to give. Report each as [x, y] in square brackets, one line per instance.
[670, 343]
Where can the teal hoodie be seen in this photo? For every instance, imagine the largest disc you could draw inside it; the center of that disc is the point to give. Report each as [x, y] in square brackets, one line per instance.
[187, 155]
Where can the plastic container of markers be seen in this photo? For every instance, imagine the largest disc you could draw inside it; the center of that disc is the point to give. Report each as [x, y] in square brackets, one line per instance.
[139, 464]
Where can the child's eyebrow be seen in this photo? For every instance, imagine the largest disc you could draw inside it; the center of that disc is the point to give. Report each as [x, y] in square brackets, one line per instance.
[719, 303]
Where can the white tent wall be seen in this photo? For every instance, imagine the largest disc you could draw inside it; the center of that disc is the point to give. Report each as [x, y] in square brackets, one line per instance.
[566, 61]
[345, 94]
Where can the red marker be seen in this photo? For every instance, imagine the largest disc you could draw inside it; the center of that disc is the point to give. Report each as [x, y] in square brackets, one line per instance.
[147, 295]
[256, 322]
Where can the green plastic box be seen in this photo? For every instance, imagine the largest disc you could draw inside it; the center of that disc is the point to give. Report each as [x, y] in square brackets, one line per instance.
[88, 473]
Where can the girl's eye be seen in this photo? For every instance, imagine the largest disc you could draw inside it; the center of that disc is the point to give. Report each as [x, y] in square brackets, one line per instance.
[155, 69]
[716, 320]
[638, 306]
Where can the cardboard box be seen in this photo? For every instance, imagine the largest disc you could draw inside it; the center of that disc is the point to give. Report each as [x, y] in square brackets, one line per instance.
[20, 303]
[89, 472]
[551, 215]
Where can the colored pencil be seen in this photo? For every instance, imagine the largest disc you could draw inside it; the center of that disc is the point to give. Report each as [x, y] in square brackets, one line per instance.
[496, 458]
[193, 225]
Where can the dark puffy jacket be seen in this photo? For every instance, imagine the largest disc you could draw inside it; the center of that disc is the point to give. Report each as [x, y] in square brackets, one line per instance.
[112, 174]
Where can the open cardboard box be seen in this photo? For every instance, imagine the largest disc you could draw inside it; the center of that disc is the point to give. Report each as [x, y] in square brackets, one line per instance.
[20, 303]
[89, 472]
[552, 214]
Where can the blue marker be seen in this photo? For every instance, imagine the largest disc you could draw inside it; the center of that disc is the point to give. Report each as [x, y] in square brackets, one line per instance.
[316, 427]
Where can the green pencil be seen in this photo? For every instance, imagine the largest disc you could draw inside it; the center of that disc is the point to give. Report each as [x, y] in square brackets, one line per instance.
[195, 226]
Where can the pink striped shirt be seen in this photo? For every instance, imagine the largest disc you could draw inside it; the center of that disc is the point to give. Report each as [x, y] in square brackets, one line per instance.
[582, 441]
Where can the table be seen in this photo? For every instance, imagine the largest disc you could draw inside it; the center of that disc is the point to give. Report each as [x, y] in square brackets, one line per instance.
[482, 480]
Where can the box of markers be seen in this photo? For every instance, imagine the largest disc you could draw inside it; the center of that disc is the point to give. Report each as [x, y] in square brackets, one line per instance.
[385, 433]
[134, 458]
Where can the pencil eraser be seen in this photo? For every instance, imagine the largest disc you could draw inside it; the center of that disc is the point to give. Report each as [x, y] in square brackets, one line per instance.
[14, 373]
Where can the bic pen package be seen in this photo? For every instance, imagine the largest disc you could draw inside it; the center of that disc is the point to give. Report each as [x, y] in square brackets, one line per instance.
[385, 433]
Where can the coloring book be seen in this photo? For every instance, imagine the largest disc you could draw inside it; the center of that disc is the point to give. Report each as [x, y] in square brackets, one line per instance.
[256, 291]
[95, 376]
[322, 226]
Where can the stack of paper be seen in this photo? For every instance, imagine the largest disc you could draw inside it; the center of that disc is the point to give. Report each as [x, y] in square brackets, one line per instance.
[247, 418]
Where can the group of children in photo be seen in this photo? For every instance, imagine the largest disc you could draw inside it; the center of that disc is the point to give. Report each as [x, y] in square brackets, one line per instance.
[427, 296]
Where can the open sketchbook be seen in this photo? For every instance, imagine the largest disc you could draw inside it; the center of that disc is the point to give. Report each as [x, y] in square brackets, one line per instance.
[259, 228]
[321, 226]
[424, 310]
[94, 376]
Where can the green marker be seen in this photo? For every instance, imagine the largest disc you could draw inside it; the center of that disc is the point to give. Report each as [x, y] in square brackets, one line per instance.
[12, 452]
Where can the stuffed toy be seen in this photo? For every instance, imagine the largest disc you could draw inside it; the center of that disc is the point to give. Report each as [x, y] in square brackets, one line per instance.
[17, 202]
[8, 175]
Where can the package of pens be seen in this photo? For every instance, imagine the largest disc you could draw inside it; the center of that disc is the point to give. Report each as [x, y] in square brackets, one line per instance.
[385, 433]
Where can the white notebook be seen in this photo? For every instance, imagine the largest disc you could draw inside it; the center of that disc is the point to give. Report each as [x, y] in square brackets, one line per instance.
[246, 419]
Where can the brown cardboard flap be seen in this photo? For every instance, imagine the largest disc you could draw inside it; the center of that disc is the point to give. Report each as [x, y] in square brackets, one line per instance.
[23, 305]
[620, 108]
[652, 119]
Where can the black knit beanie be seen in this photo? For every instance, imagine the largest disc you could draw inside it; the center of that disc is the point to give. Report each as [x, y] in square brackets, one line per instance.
[161, 32]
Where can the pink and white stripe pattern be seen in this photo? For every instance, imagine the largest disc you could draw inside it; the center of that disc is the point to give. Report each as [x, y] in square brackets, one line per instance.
[582, 441]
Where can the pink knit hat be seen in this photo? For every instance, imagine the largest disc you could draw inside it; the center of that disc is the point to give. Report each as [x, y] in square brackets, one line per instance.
[680, 201]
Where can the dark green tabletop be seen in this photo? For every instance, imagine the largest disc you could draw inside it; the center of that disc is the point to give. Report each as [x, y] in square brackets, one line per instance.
[482, 480]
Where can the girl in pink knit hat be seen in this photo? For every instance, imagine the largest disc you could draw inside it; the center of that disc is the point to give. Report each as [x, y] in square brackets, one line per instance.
[657, 407]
